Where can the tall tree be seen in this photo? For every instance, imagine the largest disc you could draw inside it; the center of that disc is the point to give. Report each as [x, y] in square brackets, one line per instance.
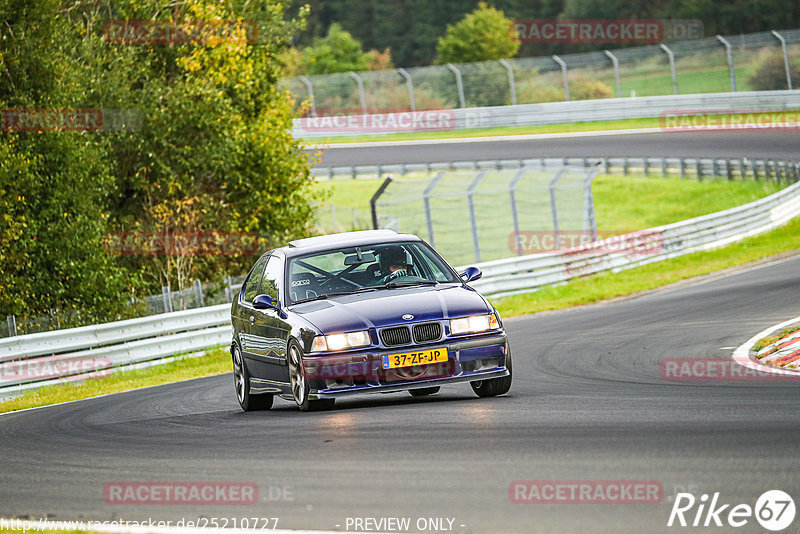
[482, 35]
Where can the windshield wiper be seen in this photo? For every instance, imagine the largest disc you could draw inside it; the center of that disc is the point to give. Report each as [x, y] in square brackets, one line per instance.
[323, 296]
[412, 283]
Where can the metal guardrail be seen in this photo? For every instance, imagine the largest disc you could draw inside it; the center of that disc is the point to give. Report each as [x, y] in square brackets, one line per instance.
[26, 361]
[52, 357]
[547, 113]
[700, 168]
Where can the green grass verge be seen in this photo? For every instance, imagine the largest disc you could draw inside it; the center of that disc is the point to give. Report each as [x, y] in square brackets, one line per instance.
[612, 285]
[213, 362]
[627, 124]
[769, 340]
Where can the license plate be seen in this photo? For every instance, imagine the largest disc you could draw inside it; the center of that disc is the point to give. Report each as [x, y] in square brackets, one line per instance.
[421, 357]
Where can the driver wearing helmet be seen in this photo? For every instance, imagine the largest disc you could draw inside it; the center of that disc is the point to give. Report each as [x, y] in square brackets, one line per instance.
[394, 263]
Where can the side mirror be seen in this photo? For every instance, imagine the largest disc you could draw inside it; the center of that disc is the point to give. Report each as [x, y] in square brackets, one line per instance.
[264, 302]
[471, 274]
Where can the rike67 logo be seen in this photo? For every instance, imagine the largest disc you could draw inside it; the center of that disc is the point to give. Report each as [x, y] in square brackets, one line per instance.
[774, 510]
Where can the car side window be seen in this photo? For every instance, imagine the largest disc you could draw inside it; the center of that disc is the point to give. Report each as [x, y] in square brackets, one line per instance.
[272, 278]
[251, 284]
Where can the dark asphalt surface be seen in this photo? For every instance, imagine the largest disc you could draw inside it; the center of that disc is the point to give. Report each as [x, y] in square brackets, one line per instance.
[690, 145]
[588, 403]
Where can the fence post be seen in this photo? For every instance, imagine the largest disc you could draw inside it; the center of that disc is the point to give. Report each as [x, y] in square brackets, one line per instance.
[228, 292]
[404, 73]
[614, 62]
[589, 219]
[731, 70]
[780, 38]
[310, 89]
[12, 325]
[563, 74]
[553, 207]
[511, 86]
[361, 94]
[426, 197]
[473, 220]
[671, 57]
[514, 213]
[167, 300]
[459, 84]
[198, 292]
[374, 200]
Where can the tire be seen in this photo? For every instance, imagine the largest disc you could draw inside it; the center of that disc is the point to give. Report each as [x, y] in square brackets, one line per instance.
[422, 392]
[494, 386]
[297, 379]
[241, 383]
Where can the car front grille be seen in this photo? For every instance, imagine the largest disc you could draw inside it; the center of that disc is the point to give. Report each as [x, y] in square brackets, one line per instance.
[427, 332]
[399, 335]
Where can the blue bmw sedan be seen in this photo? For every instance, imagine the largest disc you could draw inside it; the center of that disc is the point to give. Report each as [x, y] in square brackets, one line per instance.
[362, 312]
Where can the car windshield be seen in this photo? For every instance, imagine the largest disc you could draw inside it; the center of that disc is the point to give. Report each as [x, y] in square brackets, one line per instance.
[365, 268]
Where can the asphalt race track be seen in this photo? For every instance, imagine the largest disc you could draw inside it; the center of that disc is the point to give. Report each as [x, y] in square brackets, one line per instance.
[780, 145]
[588, 403]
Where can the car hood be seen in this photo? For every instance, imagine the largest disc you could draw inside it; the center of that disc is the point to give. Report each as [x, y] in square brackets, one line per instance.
[386, 307]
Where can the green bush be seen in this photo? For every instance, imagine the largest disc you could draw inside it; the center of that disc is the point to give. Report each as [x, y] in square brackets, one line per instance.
[770, 74]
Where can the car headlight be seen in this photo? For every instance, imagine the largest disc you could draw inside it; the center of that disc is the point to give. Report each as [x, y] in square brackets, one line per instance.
[347, 340]
[476, 323]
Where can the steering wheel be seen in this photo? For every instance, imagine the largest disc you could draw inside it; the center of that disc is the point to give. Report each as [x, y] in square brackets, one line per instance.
[395, 277]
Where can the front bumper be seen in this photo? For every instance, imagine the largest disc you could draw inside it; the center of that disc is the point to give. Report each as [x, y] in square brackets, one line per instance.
[471, 358]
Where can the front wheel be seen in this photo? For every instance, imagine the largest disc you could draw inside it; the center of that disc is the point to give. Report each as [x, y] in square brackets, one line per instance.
[494, 386]
[300, 388]
[241, 381]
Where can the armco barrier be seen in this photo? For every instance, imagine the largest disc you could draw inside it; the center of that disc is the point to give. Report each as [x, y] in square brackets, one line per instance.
[110, 345]
[700, 168]
[610, 109]
[155, 337]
